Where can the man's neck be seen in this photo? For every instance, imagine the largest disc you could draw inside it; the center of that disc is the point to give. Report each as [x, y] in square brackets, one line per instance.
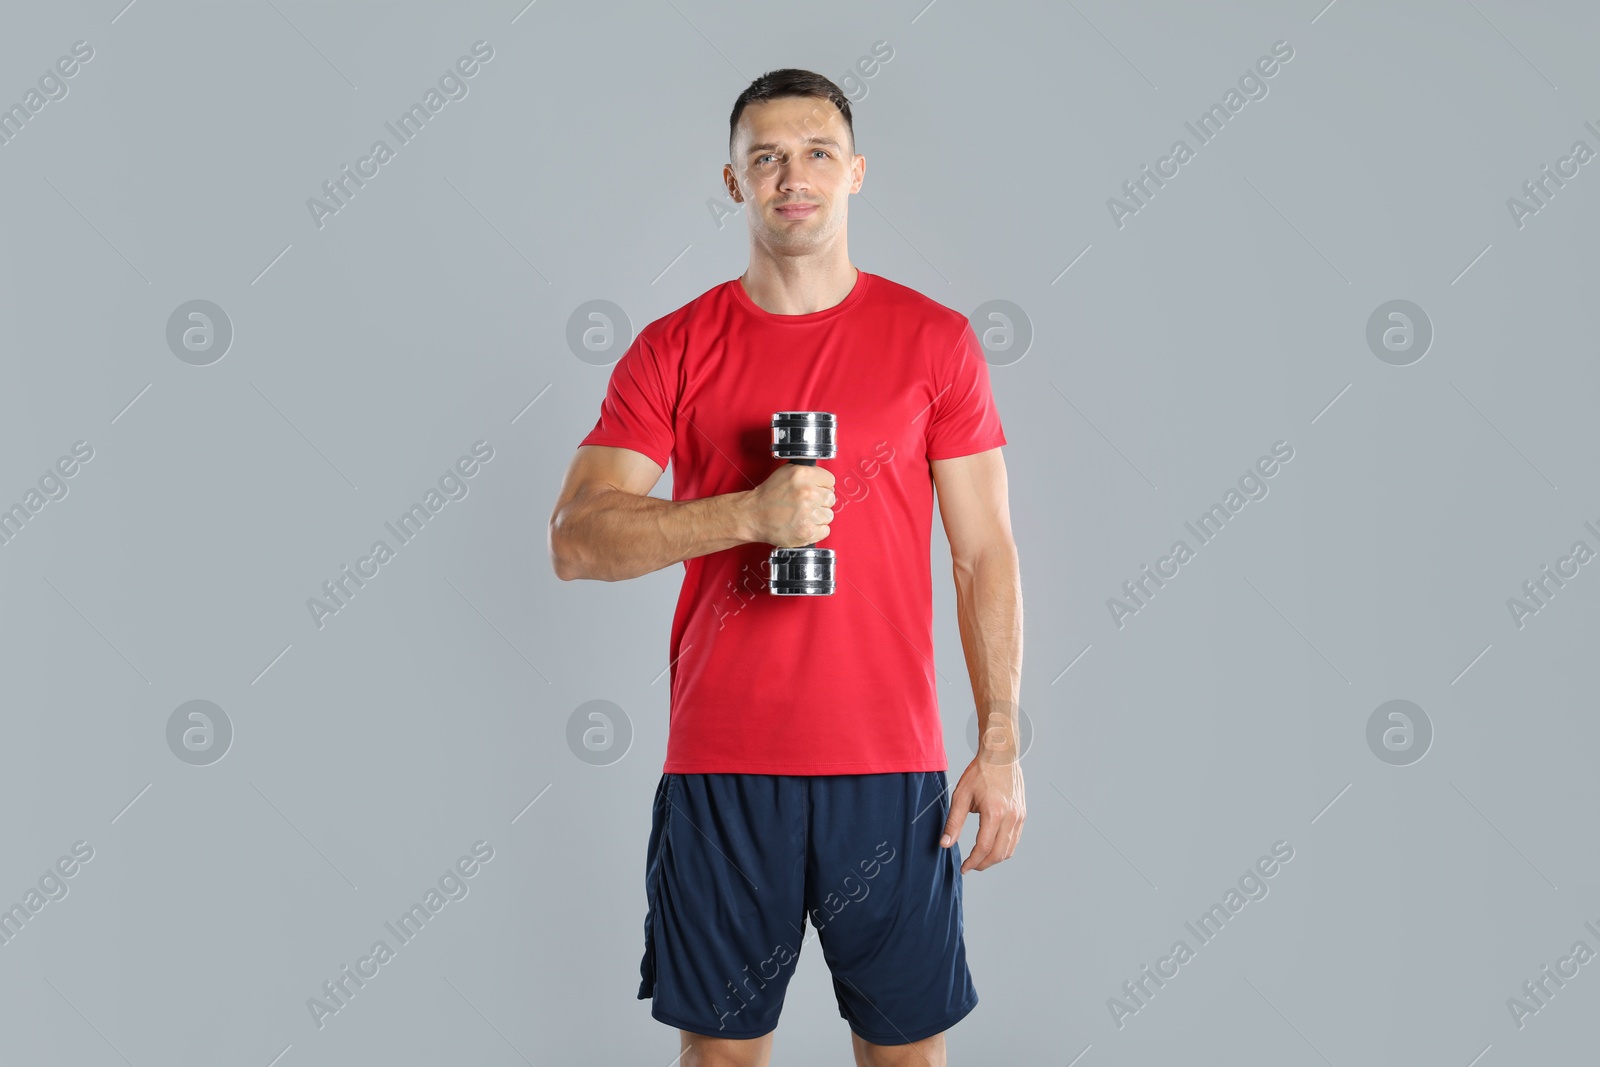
[800, 288]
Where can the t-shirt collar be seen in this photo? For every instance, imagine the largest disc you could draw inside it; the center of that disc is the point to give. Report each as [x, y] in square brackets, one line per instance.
[852, 298]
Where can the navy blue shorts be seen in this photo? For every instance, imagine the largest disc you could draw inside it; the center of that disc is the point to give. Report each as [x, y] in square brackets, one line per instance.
[741, 867]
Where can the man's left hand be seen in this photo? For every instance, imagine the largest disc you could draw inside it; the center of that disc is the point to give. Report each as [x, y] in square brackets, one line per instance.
[991, 786]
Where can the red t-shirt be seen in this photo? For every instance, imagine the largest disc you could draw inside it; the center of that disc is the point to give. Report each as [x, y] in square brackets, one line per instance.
[840, 684]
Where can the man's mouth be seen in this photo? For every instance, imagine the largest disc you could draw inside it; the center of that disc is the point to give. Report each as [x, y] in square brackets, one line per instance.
[796, 211]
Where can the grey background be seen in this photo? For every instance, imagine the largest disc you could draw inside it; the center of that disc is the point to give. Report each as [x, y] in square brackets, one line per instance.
[368, 355]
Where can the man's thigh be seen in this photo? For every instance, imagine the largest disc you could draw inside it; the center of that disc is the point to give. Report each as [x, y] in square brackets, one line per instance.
[886, 902]
[725, 879]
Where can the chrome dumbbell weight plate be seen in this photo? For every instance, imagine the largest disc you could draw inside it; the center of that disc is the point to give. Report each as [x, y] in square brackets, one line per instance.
[802, 437]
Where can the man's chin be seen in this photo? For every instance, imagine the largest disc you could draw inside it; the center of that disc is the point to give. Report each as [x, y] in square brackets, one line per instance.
[800, 238]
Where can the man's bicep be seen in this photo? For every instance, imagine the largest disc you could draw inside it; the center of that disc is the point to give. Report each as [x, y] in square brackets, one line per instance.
[600, 467]
[973, 503]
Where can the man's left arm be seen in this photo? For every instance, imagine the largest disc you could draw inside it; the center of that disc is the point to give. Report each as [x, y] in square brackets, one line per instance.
[977, 521]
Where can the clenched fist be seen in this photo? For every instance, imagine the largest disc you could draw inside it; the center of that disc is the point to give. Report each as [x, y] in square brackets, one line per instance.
[793, 507]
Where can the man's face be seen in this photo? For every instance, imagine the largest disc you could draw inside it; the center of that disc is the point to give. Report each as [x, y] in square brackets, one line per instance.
[793, 169]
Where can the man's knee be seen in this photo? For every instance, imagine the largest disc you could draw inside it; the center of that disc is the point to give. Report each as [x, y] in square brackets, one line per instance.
[927, 1052]
[702, 1051]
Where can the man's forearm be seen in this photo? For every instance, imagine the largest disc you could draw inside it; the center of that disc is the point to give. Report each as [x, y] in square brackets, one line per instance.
[989, 611]
[612, 535]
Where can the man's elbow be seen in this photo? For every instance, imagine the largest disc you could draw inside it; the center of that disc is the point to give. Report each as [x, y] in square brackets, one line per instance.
[574, 553]
[564, 560]
[995, 551]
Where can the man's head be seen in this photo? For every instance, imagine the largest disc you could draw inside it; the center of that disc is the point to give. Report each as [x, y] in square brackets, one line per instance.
[791, 142]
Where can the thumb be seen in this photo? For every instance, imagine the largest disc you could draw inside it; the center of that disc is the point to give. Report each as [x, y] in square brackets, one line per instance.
[959, 803]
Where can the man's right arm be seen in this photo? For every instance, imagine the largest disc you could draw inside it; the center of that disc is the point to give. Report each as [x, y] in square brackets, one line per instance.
[605, 526]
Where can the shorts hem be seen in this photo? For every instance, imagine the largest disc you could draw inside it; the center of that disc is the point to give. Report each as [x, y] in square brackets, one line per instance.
[699, 1028]
[908, 1036]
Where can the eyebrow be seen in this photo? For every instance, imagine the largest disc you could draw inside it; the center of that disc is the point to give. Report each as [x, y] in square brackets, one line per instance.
[768, 146]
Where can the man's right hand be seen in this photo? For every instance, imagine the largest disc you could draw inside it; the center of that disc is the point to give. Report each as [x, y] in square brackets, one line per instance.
[793, 507]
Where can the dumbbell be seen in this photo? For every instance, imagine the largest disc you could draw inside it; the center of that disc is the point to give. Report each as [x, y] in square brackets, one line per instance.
[802, 437]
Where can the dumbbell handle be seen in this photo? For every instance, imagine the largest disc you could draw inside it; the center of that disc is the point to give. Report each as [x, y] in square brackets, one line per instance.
[806, 463]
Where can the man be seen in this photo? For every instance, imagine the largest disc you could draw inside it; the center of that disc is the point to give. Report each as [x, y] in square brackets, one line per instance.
[805, 770]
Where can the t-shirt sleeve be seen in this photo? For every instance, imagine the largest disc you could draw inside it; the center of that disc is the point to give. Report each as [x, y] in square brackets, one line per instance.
[964, 419]
[637, 411]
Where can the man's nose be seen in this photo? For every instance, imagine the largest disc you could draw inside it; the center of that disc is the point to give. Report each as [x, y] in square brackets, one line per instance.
[792, 176]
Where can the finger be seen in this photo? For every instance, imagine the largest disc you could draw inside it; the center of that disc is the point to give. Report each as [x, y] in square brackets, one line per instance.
[960, 804]
[996, 846]
[1016, 834]
[1013, 831]
[1005, 833]
[988, 831]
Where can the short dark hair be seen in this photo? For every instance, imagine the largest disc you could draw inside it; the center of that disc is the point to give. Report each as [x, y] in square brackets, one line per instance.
[790, 81]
